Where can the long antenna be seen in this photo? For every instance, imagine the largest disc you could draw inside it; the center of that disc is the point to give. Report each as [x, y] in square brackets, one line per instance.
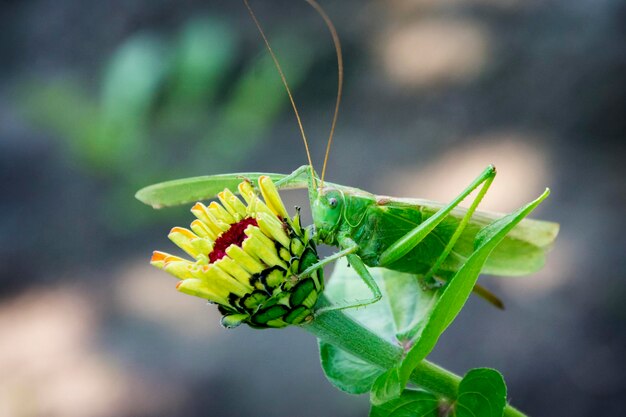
[284, 80]
[335, 36]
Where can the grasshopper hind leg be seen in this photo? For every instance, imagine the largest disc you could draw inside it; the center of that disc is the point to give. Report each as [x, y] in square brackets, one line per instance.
[406, 243]
[430, 284]
[433, 279]
[488, 296]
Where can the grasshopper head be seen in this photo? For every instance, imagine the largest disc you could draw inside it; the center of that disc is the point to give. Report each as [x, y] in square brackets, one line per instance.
[327, 209]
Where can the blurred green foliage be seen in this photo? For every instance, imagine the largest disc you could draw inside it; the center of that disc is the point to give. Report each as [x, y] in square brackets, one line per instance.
[166, 108]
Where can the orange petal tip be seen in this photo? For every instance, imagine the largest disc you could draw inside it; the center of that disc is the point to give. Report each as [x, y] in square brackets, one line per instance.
[158, 256]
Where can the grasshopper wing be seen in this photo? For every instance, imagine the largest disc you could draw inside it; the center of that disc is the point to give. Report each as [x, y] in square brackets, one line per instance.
[189, 190]
[523, 250]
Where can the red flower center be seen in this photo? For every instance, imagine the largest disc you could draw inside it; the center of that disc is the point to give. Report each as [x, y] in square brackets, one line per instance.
[234, 235]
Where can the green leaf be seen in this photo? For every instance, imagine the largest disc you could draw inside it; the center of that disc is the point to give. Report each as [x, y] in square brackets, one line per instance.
[347, 372]
[345, 284]
[482, 393]
[459, 288]
[409, 304]
[387, 386]
[409, 404]
[404, 305]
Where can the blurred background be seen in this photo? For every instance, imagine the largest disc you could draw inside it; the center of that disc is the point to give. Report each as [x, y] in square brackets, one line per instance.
[98, 99]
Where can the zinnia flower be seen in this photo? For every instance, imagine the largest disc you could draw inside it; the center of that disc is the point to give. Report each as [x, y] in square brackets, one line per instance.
[248, 258]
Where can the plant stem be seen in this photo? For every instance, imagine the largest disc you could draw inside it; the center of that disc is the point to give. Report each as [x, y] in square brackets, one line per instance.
[338, 329]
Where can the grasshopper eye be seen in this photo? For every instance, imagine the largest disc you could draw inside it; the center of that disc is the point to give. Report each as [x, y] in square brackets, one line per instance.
[332, 202]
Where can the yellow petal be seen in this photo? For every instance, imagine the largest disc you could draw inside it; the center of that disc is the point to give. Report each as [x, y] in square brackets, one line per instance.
[246, 191]
[224, 281]
[253, 231]
[202, 230]
[201, 212]
[172, 258]
[158, 259]
[259, 245]
[161, 259]
[199, 288]
[271, 197]
[205, 273]
[220, 224]
[232, 204]
[202, 246]
[257, 206]
[249, 263]
[220, 213]
[182, 238]
[197, 271]
[272, 227]
[233, 269]
[180, 269]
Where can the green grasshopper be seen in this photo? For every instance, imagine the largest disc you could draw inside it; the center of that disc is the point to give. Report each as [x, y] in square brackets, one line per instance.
[429, 239]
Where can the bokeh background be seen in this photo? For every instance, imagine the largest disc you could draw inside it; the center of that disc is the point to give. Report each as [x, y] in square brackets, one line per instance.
[98, 99]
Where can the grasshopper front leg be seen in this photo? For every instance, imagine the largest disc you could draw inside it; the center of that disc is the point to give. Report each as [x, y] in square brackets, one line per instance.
[293, 177]
[331, 258]
[349, 247]
[360, 268]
